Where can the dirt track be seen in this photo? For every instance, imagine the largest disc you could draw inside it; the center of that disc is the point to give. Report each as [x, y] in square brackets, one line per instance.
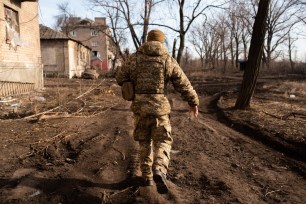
[83, 152]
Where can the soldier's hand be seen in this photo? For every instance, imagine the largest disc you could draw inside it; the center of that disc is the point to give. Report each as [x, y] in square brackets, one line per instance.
[195, 111]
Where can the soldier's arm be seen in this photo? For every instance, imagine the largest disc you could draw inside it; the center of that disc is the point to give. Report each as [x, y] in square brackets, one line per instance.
[182, 85]
[123, 72]
[120, 75]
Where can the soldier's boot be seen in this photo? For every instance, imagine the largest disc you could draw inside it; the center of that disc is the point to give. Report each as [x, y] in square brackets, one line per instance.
[160, 181]
[147, 182]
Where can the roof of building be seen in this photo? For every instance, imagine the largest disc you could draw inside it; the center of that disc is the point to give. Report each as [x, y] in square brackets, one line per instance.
[47, 33]
[87, 22]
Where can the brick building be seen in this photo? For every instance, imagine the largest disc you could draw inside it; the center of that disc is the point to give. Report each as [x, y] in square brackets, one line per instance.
[20, 57]
[62, 55]
[93, 34]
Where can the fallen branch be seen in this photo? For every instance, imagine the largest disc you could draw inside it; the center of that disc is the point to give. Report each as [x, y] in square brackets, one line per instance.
[82, 108]
[294, 114]
[28, 154]
[104, 197]
[274, 116]
[104, 110]
[55, 116]
[66, 115]
[57, 107]
[50, 139]
[286, 116]
[42, 113]
[270, 192]
[122, 191]
[56, 136]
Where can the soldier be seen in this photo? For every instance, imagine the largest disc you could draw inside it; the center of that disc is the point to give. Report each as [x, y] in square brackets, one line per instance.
[150, 69]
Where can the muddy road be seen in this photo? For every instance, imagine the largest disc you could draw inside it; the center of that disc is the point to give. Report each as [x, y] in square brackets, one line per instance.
[73, 143]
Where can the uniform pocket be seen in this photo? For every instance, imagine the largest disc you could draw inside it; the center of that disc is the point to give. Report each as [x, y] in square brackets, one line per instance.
[142, 130]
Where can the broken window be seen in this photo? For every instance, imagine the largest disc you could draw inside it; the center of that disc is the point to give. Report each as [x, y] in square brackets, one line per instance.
[95, 54]
[12, 27]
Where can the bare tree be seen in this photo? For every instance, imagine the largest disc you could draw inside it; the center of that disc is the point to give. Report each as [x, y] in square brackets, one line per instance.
[142, 20]
[129, 18]
[282, 16]
[230, 33]
[198, 39]
[116, 35]
[207, 43]
[233, 24]
[240, 24]
[290, 44]
[255, 56]
[303, 17]
[222, 32]
[195, 10]
[65, 20]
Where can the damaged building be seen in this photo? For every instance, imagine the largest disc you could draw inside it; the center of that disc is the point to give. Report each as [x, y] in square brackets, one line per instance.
[20, 56]
[62, 55]
[94, 34]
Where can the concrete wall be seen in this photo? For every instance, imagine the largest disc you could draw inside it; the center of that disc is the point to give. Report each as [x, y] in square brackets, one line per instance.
[64, 58]
[54, 57]
[79, 58]
[20, 62]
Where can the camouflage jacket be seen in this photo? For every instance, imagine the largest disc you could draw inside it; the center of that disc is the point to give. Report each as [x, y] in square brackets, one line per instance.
[156, 104]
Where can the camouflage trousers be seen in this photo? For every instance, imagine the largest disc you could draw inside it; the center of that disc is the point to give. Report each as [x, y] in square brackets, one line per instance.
[155, 141]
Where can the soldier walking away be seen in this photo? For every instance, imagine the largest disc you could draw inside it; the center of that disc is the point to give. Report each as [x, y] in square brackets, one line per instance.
[150, 69]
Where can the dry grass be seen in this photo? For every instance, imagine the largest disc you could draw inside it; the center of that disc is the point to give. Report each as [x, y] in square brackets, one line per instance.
[273, 110]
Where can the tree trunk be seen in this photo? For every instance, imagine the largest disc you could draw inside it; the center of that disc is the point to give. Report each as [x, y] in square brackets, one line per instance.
[268, 49]
[174, 49]
[290, 44]
[255, 56]
[245, 46]
[224, 55]
[145, 23]
[182, 33]
[237, 51]
[232, 54]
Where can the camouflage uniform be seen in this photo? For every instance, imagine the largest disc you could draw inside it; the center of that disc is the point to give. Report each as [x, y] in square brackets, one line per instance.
[150, 69]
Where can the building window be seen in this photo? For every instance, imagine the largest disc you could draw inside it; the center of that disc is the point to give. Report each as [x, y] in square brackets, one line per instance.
[73, 33]
[94, 43]
[95, 54]
[12, 27]
[94, 33]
